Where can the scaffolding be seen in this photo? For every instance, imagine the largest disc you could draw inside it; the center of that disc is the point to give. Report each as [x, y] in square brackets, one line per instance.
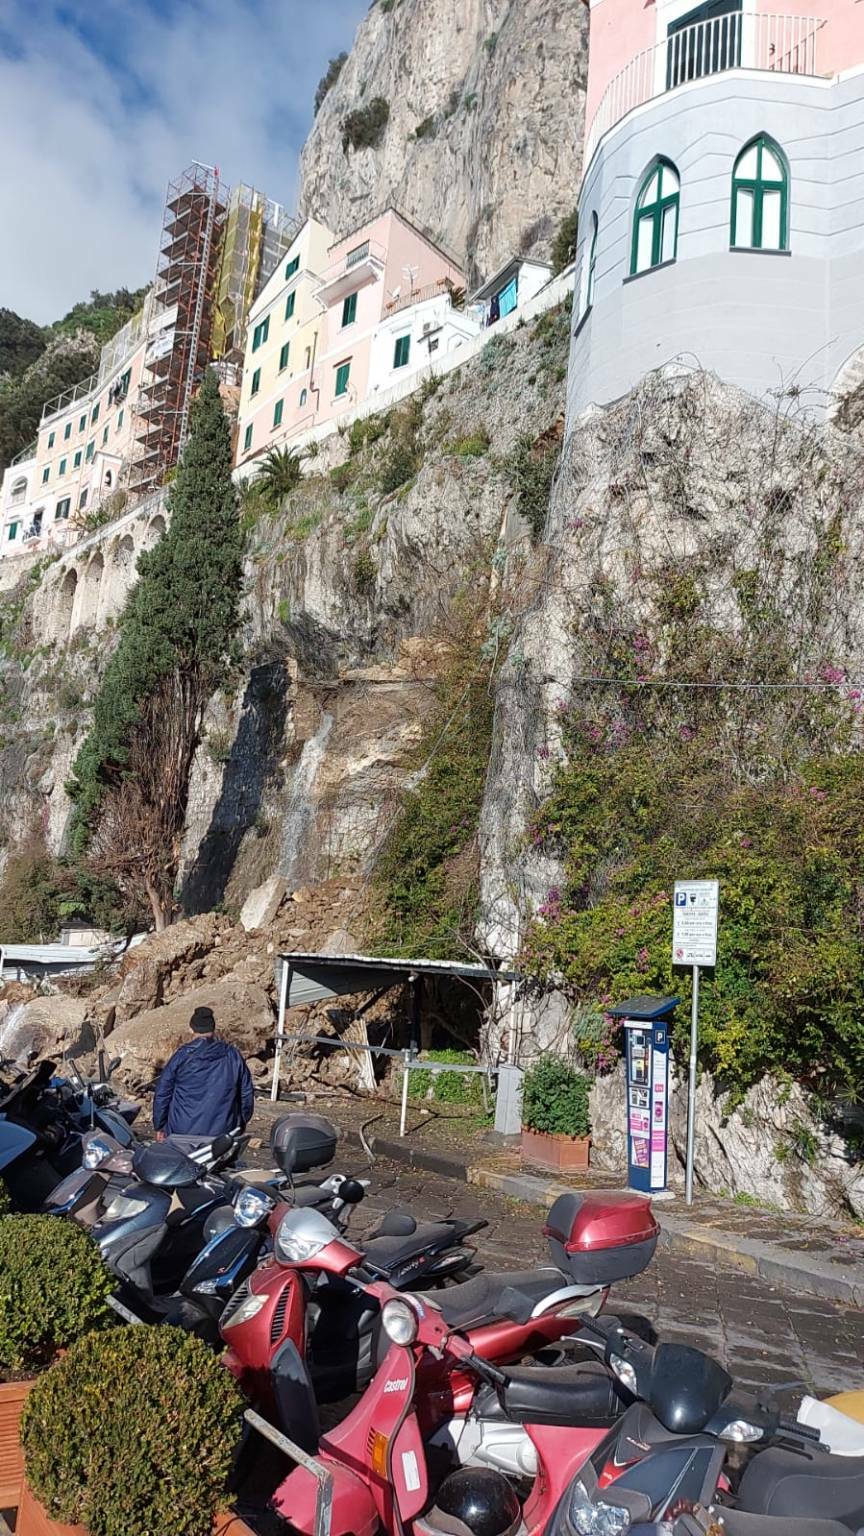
[257, 234]
[181, 321]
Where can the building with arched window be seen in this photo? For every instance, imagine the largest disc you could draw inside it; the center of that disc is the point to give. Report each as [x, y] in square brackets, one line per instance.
[721, 213]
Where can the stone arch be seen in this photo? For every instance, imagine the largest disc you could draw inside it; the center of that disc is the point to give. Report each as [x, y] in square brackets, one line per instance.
[155, 529]
[65, 606]
[90, 587]
[18, 492]
[119, 576]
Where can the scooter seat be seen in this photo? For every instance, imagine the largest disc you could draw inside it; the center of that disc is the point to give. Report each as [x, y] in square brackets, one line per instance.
[737, 1522]
[585, 1394]
[809, 1484]
[490, 1296]
[166, 1166]
[384, 1254]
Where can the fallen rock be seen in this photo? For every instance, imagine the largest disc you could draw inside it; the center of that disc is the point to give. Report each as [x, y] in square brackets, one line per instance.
[147, 969]
[261, 905]
[47, 1025]
[340, 942]
[243, 1016]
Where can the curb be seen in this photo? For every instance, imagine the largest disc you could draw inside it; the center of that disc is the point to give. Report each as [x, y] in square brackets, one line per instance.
[776, 1266]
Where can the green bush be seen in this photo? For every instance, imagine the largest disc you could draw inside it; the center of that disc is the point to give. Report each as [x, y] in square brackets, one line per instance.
[364, 127]
[555, 1099]
[329, 78]
[364, 572]
[5, 1202]
[427, 129]
[564, 244]
[400, 466]
[53, 1289]
[132, 1433]
[342, 475]
[531, 471]
[474, 446]
[448, 1087]
[367, 430]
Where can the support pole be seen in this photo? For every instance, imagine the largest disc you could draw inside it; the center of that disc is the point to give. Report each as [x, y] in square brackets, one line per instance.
[691, 1096]
[403, 1119]
[280, 1029]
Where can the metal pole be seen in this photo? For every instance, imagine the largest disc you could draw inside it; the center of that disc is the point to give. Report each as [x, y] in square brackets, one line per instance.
[280, 1029]
[691, 1097]
[403, 1120]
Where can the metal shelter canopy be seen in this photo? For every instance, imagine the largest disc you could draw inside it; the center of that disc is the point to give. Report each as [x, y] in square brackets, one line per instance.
[313, 977]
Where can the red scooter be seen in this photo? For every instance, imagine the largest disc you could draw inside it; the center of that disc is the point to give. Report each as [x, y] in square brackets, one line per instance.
[377, 1457]
[311, 1313]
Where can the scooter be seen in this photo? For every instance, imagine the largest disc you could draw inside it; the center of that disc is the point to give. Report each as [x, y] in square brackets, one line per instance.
[315, 1294]
[376, 1457]
[667, 1454]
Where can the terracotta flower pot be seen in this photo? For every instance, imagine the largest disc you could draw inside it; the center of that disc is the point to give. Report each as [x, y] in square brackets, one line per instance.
[33, 1521]
[563, 1154]
[13, 1395]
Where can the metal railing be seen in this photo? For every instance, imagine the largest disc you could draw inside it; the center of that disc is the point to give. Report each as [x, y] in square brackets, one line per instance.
[441, 289]
[26, 453]
[69, 397]
[370, 250]
[783, 44]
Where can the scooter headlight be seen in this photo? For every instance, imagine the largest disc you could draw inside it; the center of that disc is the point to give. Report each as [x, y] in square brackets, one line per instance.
[301, 1235]
[625, 1372]
[588, 1517]
[246, 1311]
[122, 1207]
[96, 1151]
[399, 1321]
[740, 1432]
[252, 1207]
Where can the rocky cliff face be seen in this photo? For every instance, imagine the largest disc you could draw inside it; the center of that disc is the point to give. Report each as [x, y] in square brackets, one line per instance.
[483, 142]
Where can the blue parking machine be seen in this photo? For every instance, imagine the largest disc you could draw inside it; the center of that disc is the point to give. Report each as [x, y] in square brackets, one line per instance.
[646, 1022]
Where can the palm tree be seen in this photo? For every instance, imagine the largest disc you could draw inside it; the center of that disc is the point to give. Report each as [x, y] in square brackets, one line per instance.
[280, 474]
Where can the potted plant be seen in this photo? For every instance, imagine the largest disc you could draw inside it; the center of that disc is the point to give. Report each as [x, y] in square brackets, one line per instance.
[53, 1288]
[555, 1116]
[132, 1432]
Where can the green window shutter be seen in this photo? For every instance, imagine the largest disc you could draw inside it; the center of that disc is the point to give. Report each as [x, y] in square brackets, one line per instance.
[94, 414]
[247, 438]
[76, 462]
[289, 305]
[349, 309]
[260, 333]
[104, 435]
[265, 329]
[256, 382]
[342, 375]
[13, 530]
[277, 413]
[119, 419]
[401, 351]
[62, 509]
[62, 469]
[50, 439]
[292, 267]
[89, 454]
[45, 473]
[82, 499]
[67, 430]
[283, 356]
[82, 423]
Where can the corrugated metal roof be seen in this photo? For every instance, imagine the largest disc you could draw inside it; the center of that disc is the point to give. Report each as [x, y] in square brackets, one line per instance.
[52, 954]
[315, 977]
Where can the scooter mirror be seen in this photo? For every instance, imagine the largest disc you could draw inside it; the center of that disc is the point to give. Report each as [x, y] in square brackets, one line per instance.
[351, 1191]
[113, 1064]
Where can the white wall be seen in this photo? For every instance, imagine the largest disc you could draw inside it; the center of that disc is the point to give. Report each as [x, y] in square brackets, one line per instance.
[434, 321]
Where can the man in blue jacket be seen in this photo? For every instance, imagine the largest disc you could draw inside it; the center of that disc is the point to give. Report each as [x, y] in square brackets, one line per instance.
[205, 1089]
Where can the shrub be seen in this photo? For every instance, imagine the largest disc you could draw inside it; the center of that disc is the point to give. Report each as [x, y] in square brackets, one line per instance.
[53, 1288]
[364, 127]
[531, 470]
[555, 1099]
[367, 430]
[5, 1202]
[427, 129]
[133, 1432]
[364, 572]
[448, 1087]
[342, 475]
[564, 244]
[474, 446]
[399, 466]
[329, 78]
[279, 475]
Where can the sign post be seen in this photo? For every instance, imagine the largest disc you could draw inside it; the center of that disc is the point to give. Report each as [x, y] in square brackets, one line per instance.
[694, 943]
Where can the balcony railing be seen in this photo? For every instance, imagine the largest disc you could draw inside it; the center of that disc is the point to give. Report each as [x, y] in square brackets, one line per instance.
[781, 44]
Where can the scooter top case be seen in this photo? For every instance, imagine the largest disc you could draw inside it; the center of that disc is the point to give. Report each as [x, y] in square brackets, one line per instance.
[302, 1142]
[601, 1237]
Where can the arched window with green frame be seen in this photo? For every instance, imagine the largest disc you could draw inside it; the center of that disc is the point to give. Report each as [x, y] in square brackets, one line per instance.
[760, 197]
[655, 218]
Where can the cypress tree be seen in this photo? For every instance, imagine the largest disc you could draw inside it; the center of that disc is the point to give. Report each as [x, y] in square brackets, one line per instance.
[131, 776]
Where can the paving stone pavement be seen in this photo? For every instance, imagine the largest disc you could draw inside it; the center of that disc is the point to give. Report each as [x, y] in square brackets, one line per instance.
[765, 1336]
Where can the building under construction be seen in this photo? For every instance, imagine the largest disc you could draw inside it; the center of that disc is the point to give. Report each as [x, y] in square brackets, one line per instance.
[215, 251]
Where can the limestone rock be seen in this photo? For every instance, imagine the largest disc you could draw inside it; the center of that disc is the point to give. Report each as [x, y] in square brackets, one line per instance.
[261, 905]
[340, 942]
[46, 1025]
[243, 1014]
[500, 89]
[146, 970]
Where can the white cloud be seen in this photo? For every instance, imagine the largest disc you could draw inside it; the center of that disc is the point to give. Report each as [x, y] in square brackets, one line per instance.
[101, 109]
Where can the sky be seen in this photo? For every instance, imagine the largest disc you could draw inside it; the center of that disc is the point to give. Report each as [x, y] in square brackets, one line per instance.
[103, 102]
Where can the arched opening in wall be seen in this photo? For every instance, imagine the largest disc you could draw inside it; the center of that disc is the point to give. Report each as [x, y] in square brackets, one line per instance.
[124, 564]
[18, 493]
[65, 607]
[155, 529]
[92, 582]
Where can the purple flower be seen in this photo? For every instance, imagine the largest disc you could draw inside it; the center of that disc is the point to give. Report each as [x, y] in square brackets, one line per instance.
[543, 752]
[832, 674]
[746, 842]
[642, 959]
[686, 733]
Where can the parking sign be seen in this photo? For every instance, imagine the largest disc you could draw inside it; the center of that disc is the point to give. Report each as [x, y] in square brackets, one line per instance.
[694, 922]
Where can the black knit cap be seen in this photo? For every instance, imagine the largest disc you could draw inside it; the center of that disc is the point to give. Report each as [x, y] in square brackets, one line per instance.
[202, 1021]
